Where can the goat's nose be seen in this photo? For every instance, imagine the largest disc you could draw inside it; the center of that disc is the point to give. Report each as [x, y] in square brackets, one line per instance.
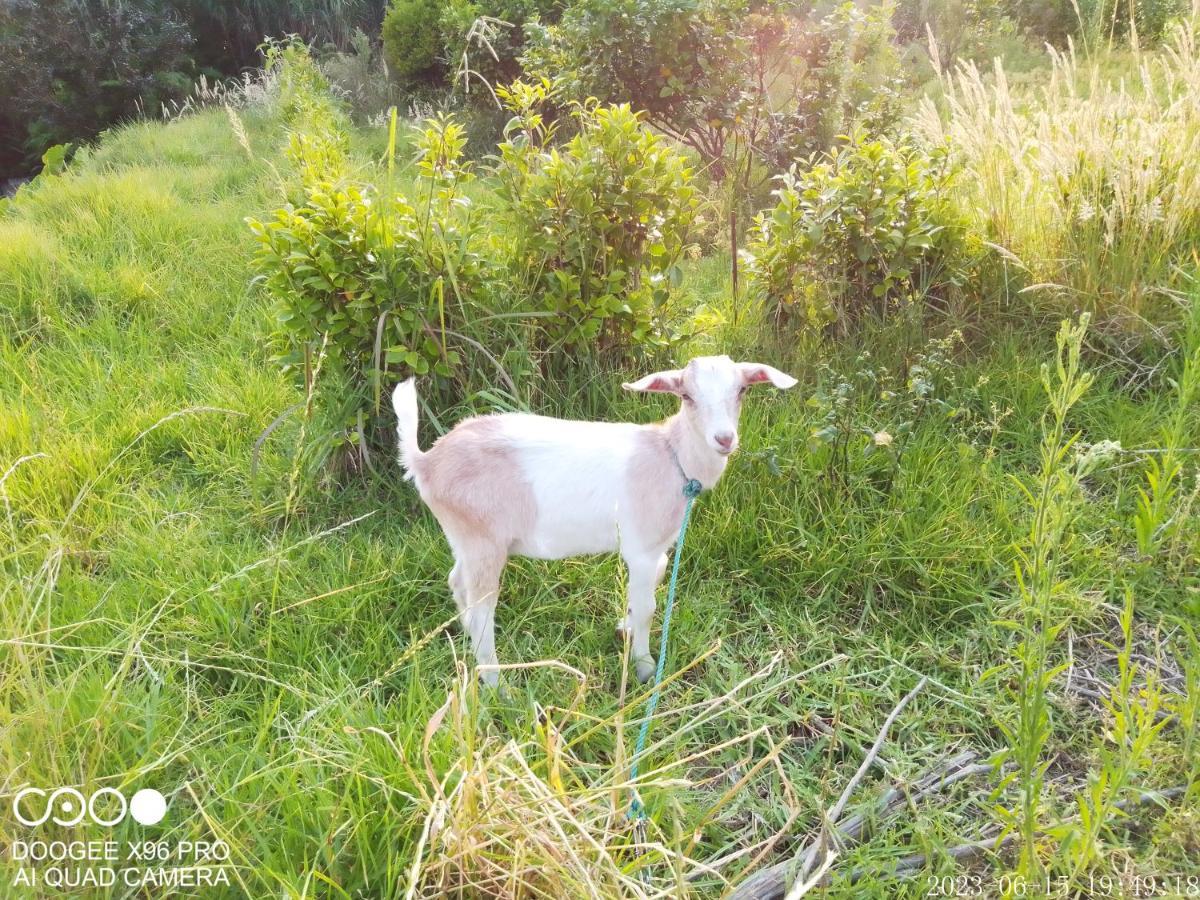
[724, 439]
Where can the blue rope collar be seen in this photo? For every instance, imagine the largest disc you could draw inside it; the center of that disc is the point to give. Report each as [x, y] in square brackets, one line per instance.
[691, 490]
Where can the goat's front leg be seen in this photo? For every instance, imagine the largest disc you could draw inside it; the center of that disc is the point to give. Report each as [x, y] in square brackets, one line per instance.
[645, 572]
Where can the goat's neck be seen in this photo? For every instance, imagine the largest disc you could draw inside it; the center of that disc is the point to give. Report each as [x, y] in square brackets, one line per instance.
[697, 459]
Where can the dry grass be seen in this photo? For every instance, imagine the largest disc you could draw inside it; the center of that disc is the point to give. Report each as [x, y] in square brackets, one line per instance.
[1094, 181]
[532, 816]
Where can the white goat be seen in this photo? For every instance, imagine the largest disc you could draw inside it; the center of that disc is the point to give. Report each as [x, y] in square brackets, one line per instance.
[550, 488]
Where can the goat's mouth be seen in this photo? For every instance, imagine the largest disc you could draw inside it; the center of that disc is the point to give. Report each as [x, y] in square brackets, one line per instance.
[725, 451]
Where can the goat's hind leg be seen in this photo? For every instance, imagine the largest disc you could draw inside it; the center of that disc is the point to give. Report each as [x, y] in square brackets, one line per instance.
[475, 581]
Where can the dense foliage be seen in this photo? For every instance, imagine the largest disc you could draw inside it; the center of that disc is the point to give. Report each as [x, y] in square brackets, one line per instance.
[749, 86]
[372, 281]
[494, 56]
[867, 226]
[365, 280]
[682, 63]
[721, 77]
[598, 224]
[68, 69]
[439, 45]
[412, 39]
[363, 277]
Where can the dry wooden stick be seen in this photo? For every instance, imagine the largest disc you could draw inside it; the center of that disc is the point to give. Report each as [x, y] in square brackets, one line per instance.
[771, 884]
[940, 777]
[835, 811]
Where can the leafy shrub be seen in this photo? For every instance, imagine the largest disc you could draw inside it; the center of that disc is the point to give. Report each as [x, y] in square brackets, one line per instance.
[847, 79]
[305, 100]
[317, 139]
[1055, 21]
[499, 61]
[412, 39]
[596, 225]
[683, 64]
[960, 29]
[368, 284]
[865, 226]
[870, 413]
[1106, 20]
[1046, 21]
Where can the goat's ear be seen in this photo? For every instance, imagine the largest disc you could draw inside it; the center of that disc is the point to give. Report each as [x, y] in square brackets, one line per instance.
[670, 382]
[756, 373]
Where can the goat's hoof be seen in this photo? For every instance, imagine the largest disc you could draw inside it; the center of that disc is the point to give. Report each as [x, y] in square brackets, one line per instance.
[622, 631]
[645, 669]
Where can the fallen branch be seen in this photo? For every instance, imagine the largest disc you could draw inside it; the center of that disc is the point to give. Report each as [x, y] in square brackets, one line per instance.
[830, 827]
[773, 882]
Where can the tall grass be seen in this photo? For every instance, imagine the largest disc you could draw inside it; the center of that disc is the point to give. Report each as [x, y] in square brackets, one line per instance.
[1092, 181]
[1160, 517]
[1052, 499]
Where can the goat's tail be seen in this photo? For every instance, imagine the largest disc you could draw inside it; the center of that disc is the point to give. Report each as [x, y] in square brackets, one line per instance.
[404, 401]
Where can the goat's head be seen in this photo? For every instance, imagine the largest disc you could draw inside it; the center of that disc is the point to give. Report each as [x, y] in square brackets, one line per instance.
[711, 389]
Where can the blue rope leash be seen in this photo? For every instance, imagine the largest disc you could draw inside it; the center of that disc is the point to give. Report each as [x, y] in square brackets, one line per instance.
[691, 490]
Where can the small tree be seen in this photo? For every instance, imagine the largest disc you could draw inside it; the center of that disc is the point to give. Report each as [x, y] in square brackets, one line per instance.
[735, 83]
[682, 63]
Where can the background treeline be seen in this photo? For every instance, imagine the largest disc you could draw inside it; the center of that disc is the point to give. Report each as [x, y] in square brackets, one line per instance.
[71, 68]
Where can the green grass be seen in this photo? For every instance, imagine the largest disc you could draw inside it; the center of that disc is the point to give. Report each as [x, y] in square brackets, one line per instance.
[269, 661]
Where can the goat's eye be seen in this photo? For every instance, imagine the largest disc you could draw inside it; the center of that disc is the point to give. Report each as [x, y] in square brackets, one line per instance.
[687, 398]
[742, 391]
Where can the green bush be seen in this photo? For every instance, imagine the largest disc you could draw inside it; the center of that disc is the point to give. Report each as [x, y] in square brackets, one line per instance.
[1054, 21]
[305, 100]
[960, 29]
[864, 227]
[368, 285]
[412, 39]
[846, 77]
[684, 65]
[597, 225]
[748, 87]
[1104, 20]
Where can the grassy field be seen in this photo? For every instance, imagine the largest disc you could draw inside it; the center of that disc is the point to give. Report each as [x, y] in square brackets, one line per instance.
[268, 649]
